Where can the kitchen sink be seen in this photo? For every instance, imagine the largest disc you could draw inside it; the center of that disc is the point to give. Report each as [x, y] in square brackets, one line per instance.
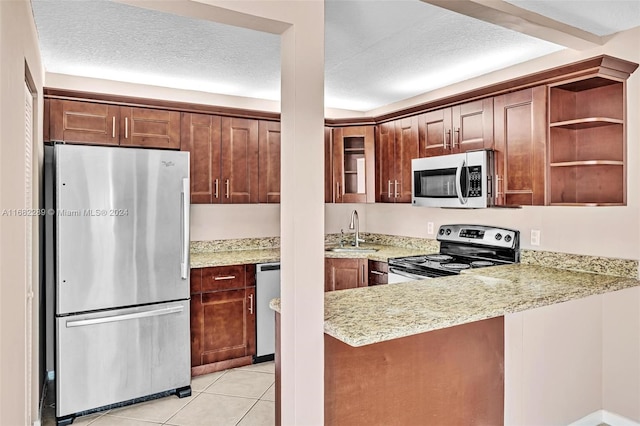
[351, 249]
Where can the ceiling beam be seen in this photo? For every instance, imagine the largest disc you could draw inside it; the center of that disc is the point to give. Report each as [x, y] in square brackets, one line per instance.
[524, 21]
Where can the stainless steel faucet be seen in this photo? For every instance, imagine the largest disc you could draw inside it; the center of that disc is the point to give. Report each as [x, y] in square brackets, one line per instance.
[355, 224]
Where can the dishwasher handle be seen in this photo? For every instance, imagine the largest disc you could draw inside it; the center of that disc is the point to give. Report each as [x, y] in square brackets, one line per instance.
[269, 267]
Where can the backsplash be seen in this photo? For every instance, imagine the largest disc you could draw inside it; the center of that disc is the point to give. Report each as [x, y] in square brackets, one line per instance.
[581, 263]
[235, 244]
[573, 262]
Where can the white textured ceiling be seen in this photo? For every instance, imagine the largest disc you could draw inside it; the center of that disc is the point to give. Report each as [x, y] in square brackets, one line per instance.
[377, 52]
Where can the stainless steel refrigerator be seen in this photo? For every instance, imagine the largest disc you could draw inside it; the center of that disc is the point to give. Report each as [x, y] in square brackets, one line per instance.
[121, 275]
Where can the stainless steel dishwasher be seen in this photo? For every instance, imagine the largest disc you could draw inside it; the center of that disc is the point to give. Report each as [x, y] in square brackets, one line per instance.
[267, 288]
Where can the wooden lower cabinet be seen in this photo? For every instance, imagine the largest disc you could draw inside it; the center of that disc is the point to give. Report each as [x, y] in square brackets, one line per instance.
[378, 273]
[451, 376]
[222, 318]
[341, 274]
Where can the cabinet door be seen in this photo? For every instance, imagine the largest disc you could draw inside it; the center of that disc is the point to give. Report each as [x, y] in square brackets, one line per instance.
[473, 125]
[328, 166]
[200, 136]
[406, 149]
[341, 274]
[149, 128]
[239, 160]
[269, 162]
[385, 171]
[353, 164]
[228, 324]
[520, 145]
[435, 133]
[84, 122]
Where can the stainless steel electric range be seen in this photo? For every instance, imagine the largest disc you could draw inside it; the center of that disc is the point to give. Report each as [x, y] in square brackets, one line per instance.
[461, 247]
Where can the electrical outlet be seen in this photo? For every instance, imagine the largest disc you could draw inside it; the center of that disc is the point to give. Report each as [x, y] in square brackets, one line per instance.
[429, 228]
[535, 237]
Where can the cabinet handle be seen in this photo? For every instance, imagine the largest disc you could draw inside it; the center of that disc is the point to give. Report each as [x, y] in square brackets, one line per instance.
[362, 273]
[396, 189]
[377, 272]
[225, 277]
[457, 137]
[126, 127]
[499, 185]
[337, 190]
[389, 190]
[251, 304]
[447, 140]
[215, 188]
[227, 187]
[113, 126]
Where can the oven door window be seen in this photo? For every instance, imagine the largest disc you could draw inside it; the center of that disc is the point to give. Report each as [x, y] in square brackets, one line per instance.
[439, 183]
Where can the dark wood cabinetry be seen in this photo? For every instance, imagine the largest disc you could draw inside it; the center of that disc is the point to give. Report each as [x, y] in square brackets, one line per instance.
[520, 147]
[328, 166]
[224, 158]
[149, 128]
[397, 145]
[460, 128]
[222, 317]
[341, 274]
[269, 162]
[378, 273]
[353, 164]
[106, 124]
[84, 122]
[587, 142]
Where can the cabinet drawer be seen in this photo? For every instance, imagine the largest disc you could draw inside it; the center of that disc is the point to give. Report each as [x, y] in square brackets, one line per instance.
[223, 278]
[378, 272]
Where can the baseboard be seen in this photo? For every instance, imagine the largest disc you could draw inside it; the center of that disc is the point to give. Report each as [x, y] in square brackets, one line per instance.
[603, 416]
[614, 419]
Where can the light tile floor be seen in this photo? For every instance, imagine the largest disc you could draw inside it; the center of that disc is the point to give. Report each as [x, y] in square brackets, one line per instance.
[243, 396]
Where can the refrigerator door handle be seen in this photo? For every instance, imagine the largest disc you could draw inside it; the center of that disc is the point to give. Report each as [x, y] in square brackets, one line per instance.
[125, 317]
[184, 265]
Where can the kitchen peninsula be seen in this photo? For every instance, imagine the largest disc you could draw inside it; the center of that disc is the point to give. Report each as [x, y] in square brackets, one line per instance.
[434, 351]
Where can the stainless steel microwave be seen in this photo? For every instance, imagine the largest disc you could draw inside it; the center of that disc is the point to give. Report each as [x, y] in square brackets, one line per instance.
[462, 180]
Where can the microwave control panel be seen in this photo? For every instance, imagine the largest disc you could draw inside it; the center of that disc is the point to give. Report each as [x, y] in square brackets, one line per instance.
[475, 181]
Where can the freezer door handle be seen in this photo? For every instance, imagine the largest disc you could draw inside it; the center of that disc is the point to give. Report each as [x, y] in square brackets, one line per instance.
[125, 317]
[184, 265]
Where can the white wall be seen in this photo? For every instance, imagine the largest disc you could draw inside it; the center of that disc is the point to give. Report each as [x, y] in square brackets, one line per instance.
[19, 368]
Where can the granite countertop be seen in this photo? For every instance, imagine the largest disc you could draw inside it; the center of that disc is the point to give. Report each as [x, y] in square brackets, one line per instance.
[205, 259]
[375, 314]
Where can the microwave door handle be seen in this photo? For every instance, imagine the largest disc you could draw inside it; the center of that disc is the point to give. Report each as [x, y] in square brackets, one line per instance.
[462, 199]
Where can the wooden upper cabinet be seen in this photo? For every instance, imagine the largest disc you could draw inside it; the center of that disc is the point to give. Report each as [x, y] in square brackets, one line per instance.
[406, 149]
[84, 122]
[397, 145]
[457, 129]
[328, 166]
[520, 146]
[435, 132]
[149, 128]
[269, 162]
[473, 125]
[341, 274]
[353, 164]
[104, 124]
[385, 170]
[201, 137]
[239, 155]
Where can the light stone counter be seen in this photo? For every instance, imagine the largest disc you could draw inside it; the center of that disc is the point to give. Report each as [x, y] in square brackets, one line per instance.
[369, 315]
[203, 259]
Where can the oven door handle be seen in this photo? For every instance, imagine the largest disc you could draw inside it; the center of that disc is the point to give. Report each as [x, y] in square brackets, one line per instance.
[407, 274]
[461, 198]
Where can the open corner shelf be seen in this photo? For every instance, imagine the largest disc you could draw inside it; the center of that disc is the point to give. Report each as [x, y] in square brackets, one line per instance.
[587, 142]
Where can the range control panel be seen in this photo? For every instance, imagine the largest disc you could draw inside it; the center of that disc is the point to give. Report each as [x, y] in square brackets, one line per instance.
[480, 234]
